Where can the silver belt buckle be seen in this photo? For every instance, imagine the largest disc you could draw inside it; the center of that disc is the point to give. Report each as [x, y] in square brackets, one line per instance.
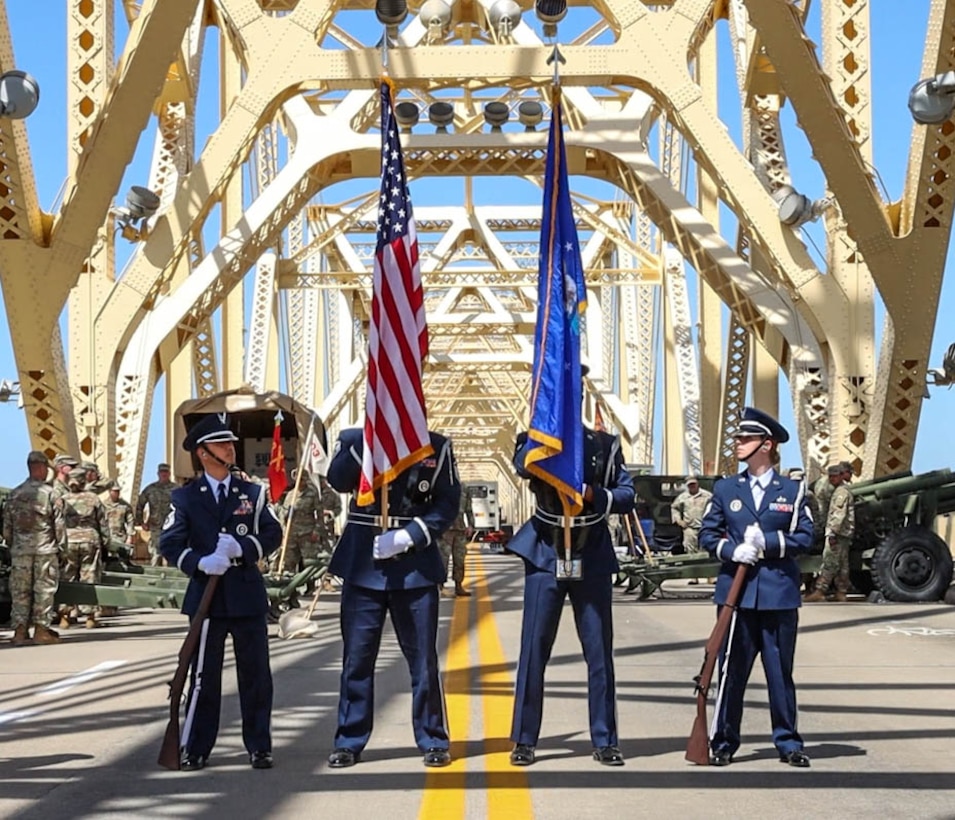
[572, 570]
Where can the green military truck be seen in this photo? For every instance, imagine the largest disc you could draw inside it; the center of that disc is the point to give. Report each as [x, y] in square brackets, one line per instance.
[896, 550]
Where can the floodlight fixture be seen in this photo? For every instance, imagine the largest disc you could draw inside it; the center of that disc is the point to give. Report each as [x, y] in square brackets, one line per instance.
[796, 209]
[496, 114]
[441, 115]
[932, 101]
[407, 115]
[550, 13]
[391, 12]
[19, 94]
[504, 16]
[8, 389]
[530, 113]
[435, 15]
[141, 204]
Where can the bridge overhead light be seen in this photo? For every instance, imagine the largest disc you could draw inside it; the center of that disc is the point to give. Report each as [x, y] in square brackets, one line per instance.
[496, 114]
[407, 114]
[796, 209]
[530, 113]
[435, 15]
[391, 12]
[141, 202]
[19, 95]
[932, 101]
[550, 13]
[504, 15]
[441, 115]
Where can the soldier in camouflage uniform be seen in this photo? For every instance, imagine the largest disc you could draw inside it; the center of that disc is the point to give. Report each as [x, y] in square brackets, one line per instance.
[331, 509]
[157, 496]
[94, 479]
[33, 527]
[454, 543]
[687, 510]
[822, 492]
[62, 465]
[839, 529]
[304, 539]
[119, 516]
[87, 534]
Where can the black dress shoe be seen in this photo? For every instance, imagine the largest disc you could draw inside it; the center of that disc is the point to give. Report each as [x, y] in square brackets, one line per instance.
[437, 757]
[798, 758]
[192, 763]
[721, 757]
[343, 758]
[608, 756]
[261, 760]
[523, 755]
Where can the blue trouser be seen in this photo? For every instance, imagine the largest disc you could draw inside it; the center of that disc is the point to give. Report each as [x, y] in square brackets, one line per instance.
[771, 633]
[250, 642]
[590, 598]
[414, 615]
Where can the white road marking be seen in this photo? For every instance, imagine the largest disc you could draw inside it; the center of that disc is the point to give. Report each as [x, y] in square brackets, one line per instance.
[76, 680]
[10, 717]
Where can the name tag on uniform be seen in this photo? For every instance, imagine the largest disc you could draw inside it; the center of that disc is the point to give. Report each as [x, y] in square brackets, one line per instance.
[777, 506]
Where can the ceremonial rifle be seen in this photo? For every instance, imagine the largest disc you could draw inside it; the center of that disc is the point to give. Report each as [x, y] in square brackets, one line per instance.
[169, 757]
[698, 745]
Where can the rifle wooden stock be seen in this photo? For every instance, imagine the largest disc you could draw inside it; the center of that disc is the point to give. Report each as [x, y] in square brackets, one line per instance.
[169, 752]
[698, 744]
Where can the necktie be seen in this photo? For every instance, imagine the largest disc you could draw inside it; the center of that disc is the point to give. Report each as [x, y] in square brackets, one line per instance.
[222, 495]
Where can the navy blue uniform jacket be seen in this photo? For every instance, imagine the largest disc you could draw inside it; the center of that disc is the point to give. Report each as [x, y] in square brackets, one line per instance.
[786, 522]
[424, 500]
[613, 493]
[191, 532]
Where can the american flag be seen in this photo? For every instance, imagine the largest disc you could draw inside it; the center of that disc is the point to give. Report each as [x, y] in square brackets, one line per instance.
[396, 424]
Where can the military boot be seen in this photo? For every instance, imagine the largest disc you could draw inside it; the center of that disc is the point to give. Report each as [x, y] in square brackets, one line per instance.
[21, 637]
[45, 635]
[842, 589]
[91, 622]
[818, 594]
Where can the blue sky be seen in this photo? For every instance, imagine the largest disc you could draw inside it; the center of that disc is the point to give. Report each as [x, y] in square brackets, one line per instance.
[898, 36]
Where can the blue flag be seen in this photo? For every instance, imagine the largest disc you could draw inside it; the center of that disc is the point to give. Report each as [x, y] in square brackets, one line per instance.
[556, 442]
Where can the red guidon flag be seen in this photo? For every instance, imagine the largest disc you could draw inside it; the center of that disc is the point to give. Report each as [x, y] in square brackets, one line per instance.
[277, 478]
[396, 424]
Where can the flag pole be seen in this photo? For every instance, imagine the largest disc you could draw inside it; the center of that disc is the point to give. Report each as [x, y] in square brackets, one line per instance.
[280, 566]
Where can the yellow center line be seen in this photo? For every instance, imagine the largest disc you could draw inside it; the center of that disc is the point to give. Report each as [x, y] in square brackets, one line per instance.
[444, 789]
[508, 795]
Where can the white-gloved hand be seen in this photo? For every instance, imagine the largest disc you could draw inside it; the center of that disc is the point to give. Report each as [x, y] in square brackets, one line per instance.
[228, 546]
[754, 535]
[746, 554]
[391, 543]
[215, 564]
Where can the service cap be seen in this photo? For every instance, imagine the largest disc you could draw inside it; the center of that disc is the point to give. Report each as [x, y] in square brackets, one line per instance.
[753, 422]
[208, 430]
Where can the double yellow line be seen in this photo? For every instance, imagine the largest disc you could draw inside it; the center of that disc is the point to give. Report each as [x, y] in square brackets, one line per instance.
[445, 790]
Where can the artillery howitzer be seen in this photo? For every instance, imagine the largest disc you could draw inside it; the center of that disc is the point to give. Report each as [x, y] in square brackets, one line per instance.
[896, 548]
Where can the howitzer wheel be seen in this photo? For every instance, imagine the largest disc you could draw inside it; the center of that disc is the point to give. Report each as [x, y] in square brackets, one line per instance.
[912, 564]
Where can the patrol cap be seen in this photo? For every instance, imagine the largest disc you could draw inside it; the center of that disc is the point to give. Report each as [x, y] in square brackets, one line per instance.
[835, 469]
[89, 465]
[76, 476]
[164, 468]
[691, 479]
[38, 457]
[753, 422]
[209, 430]
[846, 467]
[64, 460]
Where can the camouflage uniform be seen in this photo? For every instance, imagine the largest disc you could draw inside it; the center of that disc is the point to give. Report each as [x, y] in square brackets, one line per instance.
[119, 518]
[822, 492]
[331, 509]
[87, 532]
[33, 527]
[840, 527]
[454, 543]
[303, 541]
[687, 512]
[157, 495]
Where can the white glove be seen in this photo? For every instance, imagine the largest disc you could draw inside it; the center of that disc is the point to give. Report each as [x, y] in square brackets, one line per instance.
[228, 546]
[746, 554]
[754, 535]
[215, 564]
[391, 543]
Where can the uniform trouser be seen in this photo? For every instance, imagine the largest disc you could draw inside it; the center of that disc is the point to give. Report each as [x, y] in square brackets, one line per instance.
[250, 642]
[454, 545]
[835, 564]
[771, 633]
[591, 599]
[691, 540]
[33, 582]
[155, 557]
[414, 615]
[81, 563]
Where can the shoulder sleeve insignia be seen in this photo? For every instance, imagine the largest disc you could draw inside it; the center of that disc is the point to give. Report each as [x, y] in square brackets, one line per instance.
[171, 518]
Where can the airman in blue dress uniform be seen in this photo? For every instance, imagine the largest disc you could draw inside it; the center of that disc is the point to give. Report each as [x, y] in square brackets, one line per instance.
[761, 519]
[222, 525]
[608, 490]
[396, 572]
